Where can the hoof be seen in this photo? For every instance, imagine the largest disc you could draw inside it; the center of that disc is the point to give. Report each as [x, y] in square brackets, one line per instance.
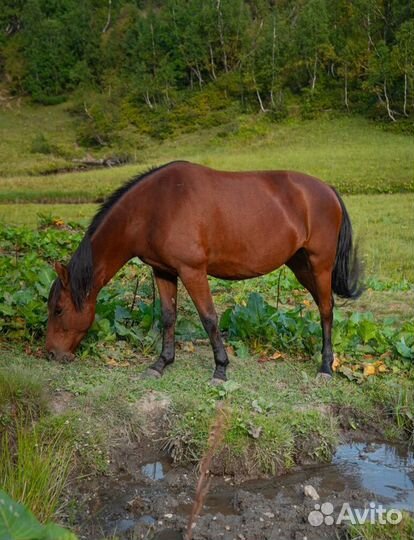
[151, 374]
[323, 377]
[216, 382]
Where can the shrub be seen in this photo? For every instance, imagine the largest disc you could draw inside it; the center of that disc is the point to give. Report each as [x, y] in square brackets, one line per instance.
[40, 145]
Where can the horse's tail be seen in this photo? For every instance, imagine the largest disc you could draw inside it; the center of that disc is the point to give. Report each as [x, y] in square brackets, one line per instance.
[346, 275]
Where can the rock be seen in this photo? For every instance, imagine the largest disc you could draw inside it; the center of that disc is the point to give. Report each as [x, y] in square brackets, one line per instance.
[311, 492]
[269, 515]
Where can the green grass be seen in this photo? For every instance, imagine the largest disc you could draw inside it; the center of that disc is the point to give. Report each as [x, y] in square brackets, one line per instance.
[22, 396]
[384, 224]
[34, 468]
[35, 471]
[30, 214]
[297, 418]
[403, 531]
[351, 153]
[19, 128]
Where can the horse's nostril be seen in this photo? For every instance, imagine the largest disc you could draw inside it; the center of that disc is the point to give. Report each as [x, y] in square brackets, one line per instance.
[60, 356]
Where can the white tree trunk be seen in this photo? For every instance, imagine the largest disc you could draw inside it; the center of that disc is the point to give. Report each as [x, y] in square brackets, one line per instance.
[405, 92]
[272, 100]
[346, 88]
[259, 97]
[148, 99]
[221, 34]
[387, 102]
[315, 65]
[197, 73]
[108, 20]
[213, 71]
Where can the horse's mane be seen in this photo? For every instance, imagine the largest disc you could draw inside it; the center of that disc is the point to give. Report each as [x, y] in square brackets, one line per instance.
[80, 267]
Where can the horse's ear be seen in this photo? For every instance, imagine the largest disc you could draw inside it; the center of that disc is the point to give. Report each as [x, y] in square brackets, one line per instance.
[63, 273]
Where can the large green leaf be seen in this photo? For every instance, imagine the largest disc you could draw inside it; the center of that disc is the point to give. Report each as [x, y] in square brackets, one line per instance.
[18, 523]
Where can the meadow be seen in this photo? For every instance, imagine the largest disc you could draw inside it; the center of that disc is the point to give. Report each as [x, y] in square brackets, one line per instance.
[280, 416]
[352, 154]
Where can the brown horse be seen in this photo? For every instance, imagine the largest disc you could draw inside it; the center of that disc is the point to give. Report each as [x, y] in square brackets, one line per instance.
[189, 221]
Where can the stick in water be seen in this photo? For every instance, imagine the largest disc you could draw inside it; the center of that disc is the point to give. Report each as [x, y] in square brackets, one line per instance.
[214, 440]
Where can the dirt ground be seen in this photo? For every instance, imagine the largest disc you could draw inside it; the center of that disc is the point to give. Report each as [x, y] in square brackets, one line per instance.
[145, 496]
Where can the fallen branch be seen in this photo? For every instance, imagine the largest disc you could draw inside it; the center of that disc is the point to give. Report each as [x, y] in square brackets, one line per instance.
[112, 161]
[214, 440]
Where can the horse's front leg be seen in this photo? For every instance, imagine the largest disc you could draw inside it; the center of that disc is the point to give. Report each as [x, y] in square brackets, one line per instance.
[167, 288]
[196, 283]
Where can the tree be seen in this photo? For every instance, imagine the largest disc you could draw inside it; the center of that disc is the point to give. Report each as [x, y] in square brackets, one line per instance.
[403, 53]
[380, 77]
[312, 36]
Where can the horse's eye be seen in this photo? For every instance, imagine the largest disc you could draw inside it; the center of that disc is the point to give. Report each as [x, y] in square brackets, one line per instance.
[58, 311]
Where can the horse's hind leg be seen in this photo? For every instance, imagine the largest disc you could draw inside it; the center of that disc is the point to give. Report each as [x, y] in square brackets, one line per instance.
[167, 287]
[316, 275]
[301, 267]
[196, 283]
[323, 279]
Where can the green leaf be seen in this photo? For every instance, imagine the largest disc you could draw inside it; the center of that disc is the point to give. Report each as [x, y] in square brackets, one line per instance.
[404, 350]
[225, 319]
[16, 522]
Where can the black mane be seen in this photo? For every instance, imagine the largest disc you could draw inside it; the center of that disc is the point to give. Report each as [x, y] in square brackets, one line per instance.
[80, 266]
[117, 194]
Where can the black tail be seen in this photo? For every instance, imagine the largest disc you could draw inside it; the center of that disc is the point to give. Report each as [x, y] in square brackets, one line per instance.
[346, 275]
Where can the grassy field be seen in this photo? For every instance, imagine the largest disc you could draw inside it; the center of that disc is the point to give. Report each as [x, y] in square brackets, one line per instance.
[300, 418]
[31, 214]
[351, 153]
[20, 126]
[79, 409]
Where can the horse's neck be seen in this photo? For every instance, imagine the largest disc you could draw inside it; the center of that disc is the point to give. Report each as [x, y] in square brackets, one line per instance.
[111, 251]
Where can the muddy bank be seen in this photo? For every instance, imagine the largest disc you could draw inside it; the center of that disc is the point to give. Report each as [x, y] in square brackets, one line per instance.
[152, 498]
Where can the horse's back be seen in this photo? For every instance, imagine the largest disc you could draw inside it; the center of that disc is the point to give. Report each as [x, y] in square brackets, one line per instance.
[239, 224]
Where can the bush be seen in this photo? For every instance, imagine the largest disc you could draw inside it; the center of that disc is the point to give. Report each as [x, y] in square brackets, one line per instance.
[40, 145]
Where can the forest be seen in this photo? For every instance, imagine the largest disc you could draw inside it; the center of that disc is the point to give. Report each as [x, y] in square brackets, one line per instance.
[161, 66]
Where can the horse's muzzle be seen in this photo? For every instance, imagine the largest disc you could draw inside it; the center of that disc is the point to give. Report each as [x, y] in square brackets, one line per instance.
[63, 357]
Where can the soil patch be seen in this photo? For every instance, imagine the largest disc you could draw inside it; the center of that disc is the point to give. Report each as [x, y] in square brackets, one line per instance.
[146, 496]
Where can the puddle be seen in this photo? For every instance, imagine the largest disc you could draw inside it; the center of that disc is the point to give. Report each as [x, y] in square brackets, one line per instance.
[384, 470]
[358, 474]
[153, 471]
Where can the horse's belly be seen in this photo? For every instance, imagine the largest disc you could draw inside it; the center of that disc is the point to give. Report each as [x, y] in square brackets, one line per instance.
[241, 261]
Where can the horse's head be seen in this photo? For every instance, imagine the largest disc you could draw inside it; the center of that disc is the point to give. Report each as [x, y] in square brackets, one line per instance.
[69, 317]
